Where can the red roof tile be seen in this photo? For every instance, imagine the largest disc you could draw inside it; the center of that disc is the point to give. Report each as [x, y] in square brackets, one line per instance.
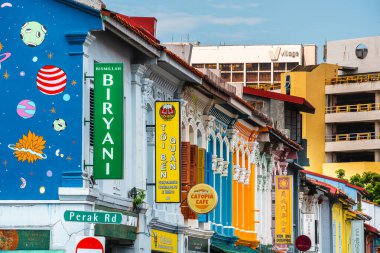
[299, 102]
[140, 32]
[369, 228]
[154, 42]
[336, 192]
[362, 190]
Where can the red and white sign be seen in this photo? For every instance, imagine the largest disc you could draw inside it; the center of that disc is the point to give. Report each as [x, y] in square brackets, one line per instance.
[90, 244]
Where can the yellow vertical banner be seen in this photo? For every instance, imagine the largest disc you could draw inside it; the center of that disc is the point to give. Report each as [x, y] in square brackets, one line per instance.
[168, 171]
[284, 210]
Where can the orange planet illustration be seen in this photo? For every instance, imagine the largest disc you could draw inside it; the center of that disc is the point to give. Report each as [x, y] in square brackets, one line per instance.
[29, 148]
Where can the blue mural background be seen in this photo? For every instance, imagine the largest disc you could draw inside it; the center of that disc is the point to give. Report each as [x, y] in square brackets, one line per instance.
[67, 24]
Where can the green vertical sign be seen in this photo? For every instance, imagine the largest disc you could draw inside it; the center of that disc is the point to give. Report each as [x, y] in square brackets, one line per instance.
[108, 121]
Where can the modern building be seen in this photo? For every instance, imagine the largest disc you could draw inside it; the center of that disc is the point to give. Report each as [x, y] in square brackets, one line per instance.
[308, 82]
[352, 106]
[344, 131]
[257, 66]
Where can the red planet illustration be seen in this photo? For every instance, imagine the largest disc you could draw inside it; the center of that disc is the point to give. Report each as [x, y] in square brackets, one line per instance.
[51, 80]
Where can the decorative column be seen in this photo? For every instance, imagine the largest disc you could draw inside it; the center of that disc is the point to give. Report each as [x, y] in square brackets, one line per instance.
[138, 133]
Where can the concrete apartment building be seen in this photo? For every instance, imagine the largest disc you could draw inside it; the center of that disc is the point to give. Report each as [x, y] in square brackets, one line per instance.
[344, 131]
[256, 66]
[352, 106]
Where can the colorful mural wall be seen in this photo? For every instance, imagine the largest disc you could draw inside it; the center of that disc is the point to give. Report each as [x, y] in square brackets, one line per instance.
[41, 77]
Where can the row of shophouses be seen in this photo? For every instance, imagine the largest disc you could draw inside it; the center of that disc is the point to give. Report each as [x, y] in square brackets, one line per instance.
[266, 198]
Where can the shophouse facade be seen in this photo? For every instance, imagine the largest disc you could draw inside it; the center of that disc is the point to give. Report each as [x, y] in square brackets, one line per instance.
[212, 117]
[274, 159]
[348, 219]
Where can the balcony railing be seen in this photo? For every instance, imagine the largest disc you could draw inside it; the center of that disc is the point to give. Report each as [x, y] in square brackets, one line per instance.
[266, 86]
[353, 137]
[353, 79]
[353, 108]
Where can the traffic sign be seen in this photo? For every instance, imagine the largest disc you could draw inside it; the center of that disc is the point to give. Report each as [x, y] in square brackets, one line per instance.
[90, 244]
[93, 217]
[303, 243]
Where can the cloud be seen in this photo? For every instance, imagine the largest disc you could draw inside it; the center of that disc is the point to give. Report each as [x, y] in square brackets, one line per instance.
[184, 22]
[235, 6]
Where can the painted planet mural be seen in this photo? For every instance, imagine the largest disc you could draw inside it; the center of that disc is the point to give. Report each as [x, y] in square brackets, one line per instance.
[51, 80]
[26, 109]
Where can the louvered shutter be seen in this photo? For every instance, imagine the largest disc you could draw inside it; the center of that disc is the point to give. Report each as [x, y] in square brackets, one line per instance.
[92, 116]
[185, 209]
[193, 164]
[209, 168]
[185, 163]
[201, 166]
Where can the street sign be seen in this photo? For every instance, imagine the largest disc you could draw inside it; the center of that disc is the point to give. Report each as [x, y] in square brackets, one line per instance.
[90, 244]
[303, 243]
[93, 217]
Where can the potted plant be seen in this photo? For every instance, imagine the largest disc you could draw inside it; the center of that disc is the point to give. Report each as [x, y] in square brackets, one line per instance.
[138, 200]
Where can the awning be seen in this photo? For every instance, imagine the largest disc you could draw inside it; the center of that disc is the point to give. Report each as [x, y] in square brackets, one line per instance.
[246, 249]
[227, 248]
[223, 247]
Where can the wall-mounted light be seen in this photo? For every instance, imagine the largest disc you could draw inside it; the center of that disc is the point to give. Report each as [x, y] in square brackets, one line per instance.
[132, 193]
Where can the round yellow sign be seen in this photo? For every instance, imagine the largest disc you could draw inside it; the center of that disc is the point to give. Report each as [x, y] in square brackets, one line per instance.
[202, 198]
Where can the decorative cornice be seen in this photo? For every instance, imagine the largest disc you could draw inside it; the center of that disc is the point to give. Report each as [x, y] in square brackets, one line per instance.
[167, 227]
[197, 101]
[221, 117]
[76, 38]
[162, 82]
[199, 233]
[138, 73]
[89, 39]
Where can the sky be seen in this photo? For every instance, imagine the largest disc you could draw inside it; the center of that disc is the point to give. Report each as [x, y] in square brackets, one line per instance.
[252, 22]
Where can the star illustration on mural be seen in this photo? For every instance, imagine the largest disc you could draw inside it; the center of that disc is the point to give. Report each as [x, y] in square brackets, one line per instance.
[50, 55]
[6, 75]
[1, 46]
[52, 110]
[69, 158]
[73, 82]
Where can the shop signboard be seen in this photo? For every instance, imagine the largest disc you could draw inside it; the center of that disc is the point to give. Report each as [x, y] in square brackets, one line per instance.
[284, 210]
[24, 239]
[168, 163]
[108, 121]
[164, 241]
[308, 227]
[197, 245]
[357, 236]
[202, 198]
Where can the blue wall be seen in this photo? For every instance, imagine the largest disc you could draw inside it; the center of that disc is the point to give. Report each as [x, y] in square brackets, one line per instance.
[60, 163]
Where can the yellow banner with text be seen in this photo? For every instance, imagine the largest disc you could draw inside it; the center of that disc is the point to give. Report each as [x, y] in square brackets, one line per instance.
[168, 166]
[284, 210]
